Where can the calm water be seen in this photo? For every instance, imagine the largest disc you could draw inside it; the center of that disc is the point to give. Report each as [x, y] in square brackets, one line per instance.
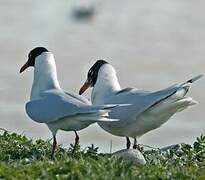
[152, 44]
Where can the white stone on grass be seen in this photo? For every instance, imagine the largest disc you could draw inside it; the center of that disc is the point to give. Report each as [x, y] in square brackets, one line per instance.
[131, 155]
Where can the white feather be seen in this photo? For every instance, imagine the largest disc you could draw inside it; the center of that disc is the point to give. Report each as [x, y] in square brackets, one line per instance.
[149, 110]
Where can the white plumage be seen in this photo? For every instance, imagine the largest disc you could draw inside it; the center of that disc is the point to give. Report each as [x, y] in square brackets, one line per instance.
[53, 106]
[149, 110]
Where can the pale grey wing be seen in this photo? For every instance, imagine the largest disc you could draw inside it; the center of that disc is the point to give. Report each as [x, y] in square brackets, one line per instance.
[55, 105]
[140, 100]
[144, 100]
[78, 98]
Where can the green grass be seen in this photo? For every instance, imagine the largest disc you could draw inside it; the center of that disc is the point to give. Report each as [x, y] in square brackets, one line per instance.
[22, 158]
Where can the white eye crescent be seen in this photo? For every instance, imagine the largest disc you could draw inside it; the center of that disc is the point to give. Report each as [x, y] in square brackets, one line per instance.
[90, 73]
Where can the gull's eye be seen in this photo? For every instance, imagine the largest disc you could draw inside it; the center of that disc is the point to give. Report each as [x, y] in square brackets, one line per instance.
[90, 73]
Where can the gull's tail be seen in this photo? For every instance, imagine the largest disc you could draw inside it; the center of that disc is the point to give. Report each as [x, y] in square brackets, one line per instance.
[177, 101]
[186, 85]
[194, 79]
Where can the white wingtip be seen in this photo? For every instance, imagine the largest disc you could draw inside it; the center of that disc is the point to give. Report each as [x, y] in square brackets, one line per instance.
[188, 101]
[106, 119]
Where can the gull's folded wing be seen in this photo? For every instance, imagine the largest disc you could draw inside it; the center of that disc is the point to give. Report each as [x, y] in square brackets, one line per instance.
[143, 100]
[54, 105]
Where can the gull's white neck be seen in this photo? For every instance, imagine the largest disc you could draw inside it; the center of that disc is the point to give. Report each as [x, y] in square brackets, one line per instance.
[107, 84]
[45, 75]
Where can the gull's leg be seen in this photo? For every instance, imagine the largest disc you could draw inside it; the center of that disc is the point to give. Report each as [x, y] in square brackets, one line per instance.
[54, 146]
[76, 141]
[128, 142]
[135, 143]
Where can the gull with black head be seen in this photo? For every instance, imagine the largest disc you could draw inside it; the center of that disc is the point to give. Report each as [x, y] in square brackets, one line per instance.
[148, 110]
[53, 106]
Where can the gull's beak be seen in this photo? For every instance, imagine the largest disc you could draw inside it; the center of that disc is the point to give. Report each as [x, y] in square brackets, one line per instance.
[85, 86]
[24, 67]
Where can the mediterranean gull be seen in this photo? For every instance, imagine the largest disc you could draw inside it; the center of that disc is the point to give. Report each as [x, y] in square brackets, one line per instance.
[53, 106]
[149, 110]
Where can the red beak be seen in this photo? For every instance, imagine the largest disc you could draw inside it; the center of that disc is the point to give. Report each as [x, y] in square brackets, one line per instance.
[85, 86]
[24, 67]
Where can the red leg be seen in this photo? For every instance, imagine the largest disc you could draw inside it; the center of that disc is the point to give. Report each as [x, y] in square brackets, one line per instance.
[128, 142]
[54, 146]
[76, 141]
[135, 143]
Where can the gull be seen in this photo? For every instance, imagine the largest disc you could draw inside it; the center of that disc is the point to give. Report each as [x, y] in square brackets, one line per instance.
[149, 110]
[53, 106]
